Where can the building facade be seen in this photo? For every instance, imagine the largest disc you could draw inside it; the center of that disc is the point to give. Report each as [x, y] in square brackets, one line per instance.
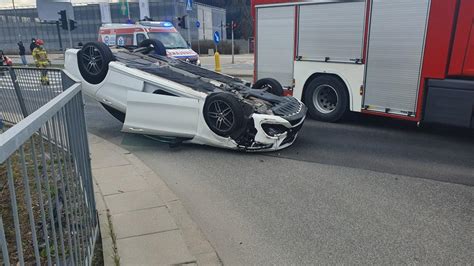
[89, 17]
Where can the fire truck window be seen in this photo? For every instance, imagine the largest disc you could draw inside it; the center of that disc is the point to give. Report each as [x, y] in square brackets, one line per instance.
[140, 37]
[124, 39]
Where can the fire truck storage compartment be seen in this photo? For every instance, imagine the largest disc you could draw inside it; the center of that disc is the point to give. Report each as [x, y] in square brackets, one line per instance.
[275, 43]
[450, 102]
[395, 54]
[331, 31]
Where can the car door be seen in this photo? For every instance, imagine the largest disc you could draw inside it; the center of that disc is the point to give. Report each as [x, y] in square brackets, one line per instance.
[163, 115]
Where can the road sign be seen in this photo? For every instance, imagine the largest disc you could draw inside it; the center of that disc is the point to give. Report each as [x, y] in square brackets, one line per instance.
[189, 5]
[198, 24]
[217, 37]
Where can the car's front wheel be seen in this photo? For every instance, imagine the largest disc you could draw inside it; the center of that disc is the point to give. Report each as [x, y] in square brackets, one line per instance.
[327, 98]
[93, 60]
[223, 114]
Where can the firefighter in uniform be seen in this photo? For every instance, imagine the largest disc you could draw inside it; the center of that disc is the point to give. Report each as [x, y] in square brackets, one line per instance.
[41, 60]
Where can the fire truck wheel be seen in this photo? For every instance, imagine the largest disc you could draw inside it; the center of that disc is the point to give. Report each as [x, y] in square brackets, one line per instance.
[327, 98]
[93, 61]
[270, 85]
[158, 46]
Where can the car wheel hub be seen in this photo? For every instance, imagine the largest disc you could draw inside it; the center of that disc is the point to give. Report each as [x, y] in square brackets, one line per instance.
[92, 60]
[221, 116]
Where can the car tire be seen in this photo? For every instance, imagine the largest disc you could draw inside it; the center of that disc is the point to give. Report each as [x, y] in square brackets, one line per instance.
[270, 85]
[93, 60]
[158, 46]
[223, 114]
[327, 98]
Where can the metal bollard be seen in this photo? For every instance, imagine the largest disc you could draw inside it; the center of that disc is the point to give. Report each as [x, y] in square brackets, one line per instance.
[217, 59]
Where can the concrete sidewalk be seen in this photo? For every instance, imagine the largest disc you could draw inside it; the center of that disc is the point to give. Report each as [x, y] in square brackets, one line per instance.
[142, 221]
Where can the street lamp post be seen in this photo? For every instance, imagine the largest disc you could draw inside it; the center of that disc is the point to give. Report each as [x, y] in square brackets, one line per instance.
[17, 23]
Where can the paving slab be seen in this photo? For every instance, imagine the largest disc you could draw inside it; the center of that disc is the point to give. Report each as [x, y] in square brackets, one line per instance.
[165, 248]
[138, 210]
[131, 201]
[143, 222]
[102, 157]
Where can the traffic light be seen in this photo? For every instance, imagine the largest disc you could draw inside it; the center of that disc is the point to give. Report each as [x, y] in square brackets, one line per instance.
[72, 24]
[63, 19]
[182, 22]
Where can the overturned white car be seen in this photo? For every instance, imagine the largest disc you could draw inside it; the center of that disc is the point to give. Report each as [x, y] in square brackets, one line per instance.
[183, 103]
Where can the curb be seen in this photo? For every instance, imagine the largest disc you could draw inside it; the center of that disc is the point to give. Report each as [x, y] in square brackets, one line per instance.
[177, 238]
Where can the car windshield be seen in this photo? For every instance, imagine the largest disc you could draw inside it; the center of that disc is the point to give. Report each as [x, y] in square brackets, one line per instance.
[171, 40]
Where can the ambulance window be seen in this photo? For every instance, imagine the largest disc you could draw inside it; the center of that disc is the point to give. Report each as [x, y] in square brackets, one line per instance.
[140, 37]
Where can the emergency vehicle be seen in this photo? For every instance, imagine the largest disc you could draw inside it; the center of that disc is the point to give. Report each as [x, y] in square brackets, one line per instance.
[134, 34]
[406, 59]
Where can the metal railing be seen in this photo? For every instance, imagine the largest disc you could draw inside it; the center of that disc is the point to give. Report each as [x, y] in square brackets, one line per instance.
[47, 205]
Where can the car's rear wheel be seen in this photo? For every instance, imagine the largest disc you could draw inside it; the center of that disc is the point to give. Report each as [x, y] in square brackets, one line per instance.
[223, 114]
[158, 47]
[93, 61]
[270, 85]
[327, 98]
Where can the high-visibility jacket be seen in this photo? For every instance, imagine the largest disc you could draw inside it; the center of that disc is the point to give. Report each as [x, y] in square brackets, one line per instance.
[40, 56]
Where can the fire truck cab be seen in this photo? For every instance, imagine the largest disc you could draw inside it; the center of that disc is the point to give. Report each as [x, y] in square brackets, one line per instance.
[406, 59]
[133, 34]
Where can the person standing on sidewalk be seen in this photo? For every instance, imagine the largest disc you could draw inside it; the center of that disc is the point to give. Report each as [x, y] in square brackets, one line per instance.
[32, 44]
[41, 60]
[21, 49]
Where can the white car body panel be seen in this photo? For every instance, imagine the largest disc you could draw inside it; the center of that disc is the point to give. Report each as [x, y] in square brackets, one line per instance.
[351, 74]
[157, 114]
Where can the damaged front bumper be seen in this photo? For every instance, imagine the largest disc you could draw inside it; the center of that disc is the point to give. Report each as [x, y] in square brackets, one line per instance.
[272, 133]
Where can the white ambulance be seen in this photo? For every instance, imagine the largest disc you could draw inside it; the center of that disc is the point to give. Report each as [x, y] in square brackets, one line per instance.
[133, 34]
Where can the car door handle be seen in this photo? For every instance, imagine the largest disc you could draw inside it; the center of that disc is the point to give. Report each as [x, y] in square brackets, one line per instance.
[107, 101]
[136, 129]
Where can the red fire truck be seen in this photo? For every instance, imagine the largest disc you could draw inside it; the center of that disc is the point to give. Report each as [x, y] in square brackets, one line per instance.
[406, 59]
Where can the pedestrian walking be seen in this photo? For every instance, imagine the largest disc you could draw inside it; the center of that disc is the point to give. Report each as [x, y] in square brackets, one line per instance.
[41, 60]
[32, 44]
[21, 52]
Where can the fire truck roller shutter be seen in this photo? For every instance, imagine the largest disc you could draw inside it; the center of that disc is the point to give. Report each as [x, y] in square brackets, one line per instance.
[275, 43]
[395, 54]
[331, 31]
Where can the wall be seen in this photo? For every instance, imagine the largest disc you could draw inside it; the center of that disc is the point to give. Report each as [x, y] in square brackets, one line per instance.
[88, 20]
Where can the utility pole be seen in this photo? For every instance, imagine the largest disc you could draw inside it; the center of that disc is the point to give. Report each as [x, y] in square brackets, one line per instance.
[222, 31]
[203, 25]
[232, 33]
[69, 31]
[18, 22]
[59, 36]
[189, 30]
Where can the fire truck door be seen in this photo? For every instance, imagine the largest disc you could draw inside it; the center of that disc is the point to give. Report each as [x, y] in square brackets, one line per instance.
[275, 43]
[395, 54]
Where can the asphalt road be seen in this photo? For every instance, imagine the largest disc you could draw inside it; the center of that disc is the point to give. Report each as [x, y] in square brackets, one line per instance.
[366, 191]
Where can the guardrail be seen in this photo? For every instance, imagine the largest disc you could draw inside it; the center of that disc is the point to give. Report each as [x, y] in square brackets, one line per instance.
[47, 205]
